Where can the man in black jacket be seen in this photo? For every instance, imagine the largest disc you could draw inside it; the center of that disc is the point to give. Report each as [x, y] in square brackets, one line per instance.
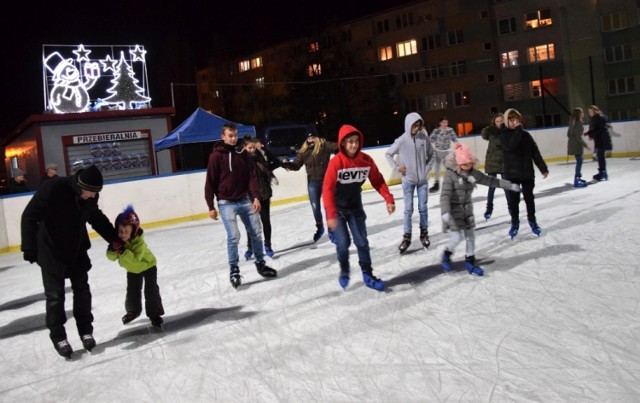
[54, 234]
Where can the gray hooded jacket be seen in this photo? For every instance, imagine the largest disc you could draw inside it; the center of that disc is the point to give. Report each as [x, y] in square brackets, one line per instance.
[414, 152]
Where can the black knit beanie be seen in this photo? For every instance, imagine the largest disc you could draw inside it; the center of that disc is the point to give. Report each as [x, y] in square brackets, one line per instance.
[90, 179]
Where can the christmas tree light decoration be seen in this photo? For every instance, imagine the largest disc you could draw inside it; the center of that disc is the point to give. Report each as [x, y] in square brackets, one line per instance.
[138, 53]
[76, 78]
[82, 54]
[108, 64]
[125, 91]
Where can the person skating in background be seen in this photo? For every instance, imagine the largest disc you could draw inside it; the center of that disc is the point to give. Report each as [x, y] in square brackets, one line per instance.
[265, 163]
[456, 205]
[520, 153]
[140, 264]
[314, 155]
[231, 178]
[342, 189]
[50, 171]
[442, 138]
[576, 145]
[18, 183]
[599, 133]
[493, 158]
[54, 234]
[415, 154]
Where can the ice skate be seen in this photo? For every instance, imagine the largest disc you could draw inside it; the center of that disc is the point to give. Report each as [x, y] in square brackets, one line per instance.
[319, 232]
[535, 228]
[579, 183]
[446, 261]
[406, 241]
[601, 176]
[234, 277]
[63, 348]
[435, 187]
[156, 321]
[128, 317]
[424, 237]
[248, 255]
[265, 271]
[514, 230]
[88, 342]
[268, 251]
[372, 281]
[344, 278]
[472, 268]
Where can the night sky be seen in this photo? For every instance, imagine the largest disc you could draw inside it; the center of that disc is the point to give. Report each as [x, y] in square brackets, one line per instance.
[179, 37]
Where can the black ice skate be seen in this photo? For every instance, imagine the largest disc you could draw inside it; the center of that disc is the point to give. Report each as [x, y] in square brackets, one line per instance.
[424, 237]
[406, 241]
[63, 348]
[234, 276]
[265, 271]
[88, 342]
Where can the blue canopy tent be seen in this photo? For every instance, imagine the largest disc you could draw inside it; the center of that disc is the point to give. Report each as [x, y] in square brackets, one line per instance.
[200, 127]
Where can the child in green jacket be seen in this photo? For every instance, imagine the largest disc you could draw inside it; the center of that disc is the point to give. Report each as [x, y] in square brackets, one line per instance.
[140, 264]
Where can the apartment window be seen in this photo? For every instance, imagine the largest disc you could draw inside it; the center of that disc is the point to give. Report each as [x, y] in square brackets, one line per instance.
[509, 59]
[455, 37]
[464, 128]
[256, 62]
[461, 98]
[458, 68]
[314, 47]
[407, 48]
[414, 104]
[411, 77]
[624, 114]
[507, 26]
[385, 53]
[618, 53]
[551, 85]
[314, 70]
[382, 26]
[515, 91]
[244, 65]
[435, 102]
[541, 53]
[537, 19]
[431, 42]
[404, 20]
[260, 82]
[615, 21]
[620, 86]
[434, 72]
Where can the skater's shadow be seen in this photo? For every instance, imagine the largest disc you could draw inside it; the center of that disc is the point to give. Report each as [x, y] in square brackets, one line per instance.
[25, 325]
[24, 301]
[415, 276]
[144, 333]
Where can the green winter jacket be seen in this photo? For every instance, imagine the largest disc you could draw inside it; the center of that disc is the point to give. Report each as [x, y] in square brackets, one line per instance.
[575, 144]
[493, 159]
[137, 256]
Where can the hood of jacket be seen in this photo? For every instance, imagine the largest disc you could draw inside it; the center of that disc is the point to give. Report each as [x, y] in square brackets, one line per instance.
[344, 131]
[409, 120]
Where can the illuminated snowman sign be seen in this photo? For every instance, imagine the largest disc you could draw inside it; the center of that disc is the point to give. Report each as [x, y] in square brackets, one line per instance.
[76, 82]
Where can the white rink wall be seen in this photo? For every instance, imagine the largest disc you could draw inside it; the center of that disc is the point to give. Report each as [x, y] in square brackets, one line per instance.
[166, 199]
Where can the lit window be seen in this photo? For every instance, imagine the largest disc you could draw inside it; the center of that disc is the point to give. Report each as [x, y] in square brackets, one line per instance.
[537, 19]
[461, 98]
[314, 70]
[541, 53]
[551, 85]
[407, 48]
[260, 82]
[257, 62]
[244, 65]
[464, 128]
[385, 53]
[509, 59]
[314, 47]
[436, 102]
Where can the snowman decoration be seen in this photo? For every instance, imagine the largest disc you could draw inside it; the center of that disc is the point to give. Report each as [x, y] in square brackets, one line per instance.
[70, 92]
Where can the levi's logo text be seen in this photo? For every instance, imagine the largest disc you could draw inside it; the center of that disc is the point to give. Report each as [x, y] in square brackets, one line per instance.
[353, 175]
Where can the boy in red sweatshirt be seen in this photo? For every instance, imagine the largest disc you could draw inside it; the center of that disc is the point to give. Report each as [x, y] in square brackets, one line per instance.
[342, 188]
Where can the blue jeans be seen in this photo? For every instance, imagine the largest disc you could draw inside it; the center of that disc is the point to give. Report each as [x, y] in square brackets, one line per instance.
[579, 160]
[230, 211]
[423, 193]
[354, 221]
[314, 188]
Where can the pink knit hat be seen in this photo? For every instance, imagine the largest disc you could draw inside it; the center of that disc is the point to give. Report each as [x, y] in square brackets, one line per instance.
[463, 154]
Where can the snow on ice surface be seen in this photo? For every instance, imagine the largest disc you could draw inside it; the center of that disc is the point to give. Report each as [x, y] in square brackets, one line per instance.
[555, 318]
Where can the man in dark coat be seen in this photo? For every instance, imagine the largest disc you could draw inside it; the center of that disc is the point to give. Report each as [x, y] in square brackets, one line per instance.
[18, 184]
[54, 234]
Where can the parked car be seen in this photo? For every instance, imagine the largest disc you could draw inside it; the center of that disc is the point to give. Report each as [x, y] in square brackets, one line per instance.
[284, 141]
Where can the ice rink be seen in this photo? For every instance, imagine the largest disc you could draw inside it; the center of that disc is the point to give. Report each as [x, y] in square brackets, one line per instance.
[555, 318]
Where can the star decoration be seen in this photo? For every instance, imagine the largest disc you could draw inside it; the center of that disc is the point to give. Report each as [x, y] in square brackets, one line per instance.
[81, 53]
[138, 53]
[108, 63]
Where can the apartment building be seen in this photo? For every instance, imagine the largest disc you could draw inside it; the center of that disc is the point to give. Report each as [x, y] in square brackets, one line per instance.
[463, 59]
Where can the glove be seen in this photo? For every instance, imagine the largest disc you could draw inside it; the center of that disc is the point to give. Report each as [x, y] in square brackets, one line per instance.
[117, 246]
[445, 218]
[515, 187]
[31, 256]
